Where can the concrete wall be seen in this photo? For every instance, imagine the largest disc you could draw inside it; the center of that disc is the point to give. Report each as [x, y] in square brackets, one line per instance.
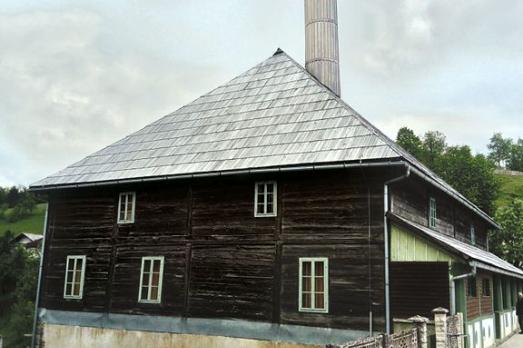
[86, 337]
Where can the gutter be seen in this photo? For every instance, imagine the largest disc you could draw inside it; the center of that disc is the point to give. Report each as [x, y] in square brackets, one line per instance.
[39, 284]
[386, 238]
[453, 285]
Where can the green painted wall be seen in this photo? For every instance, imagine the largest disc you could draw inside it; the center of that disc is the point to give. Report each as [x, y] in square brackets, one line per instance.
[406, 246]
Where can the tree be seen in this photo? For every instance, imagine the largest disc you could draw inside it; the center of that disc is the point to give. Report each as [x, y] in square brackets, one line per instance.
[13, 195]
[434, 144]
[499, 149]
[410, 142]
[18, 277]
[473, 176]
[507, 243]
[515, 161]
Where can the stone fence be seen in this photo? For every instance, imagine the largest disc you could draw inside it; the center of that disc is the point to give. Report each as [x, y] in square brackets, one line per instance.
[448, 330]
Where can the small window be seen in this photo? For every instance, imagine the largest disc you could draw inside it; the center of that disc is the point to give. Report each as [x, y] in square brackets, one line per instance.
[486, 287]
[126, 207]
[151, 280]
[74, 277]
[432, 212]
[265, 194]
[472, 234]
[471, 282]
[314, 285]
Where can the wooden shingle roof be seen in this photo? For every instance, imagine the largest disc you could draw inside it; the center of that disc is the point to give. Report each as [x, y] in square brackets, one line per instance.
[275, 114]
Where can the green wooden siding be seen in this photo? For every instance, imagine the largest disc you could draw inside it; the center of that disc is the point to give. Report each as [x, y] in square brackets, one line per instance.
[406, 246]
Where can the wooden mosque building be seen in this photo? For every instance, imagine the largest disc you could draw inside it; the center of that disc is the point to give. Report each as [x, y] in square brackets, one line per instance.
[265, 212]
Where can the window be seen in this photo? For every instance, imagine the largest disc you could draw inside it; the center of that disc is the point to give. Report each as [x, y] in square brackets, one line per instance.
[486, 287]
[265, 198]
[151, 280]
[314, 285]
[74, 277]
[126, 206]
[432, 212]
[471, 282]
[472, 234]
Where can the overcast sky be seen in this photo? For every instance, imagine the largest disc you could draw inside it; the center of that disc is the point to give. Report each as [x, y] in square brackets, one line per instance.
[78, 75]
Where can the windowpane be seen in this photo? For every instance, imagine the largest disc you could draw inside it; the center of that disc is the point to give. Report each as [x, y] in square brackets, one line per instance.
[156, 279]
[306, 284]
[154, 293]
[122, 208]
[270, 188]
[145, 292]
[129, 207]
[306, 268]
[69, 278]
[79, 263]
[76, 291]
[318, 286]
[69, 288]
[318, 269]
[78, 275]
[306, 300]
[318, 301]
[270, 207]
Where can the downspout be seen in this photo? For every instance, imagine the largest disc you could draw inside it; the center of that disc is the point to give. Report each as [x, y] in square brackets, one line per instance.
[386, 237]
[453, 286]
[39, 284]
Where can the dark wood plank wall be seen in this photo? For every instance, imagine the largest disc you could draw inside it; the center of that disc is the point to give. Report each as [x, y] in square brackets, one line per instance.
[410, 199]
[418, 287]
[221, 261]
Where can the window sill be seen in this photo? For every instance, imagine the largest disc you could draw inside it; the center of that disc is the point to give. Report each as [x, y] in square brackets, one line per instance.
[317, 311]
[125, 222]
[265, 215]
[73, 297]
[149, 302]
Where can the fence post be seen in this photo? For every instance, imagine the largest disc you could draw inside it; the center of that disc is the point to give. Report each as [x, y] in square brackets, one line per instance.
[440, 322]
[387, 341]
[421, 325]
[461, 342]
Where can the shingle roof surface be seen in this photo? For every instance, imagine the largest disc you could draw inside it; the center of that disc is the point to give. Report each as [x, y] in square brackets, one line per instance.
[275, 114]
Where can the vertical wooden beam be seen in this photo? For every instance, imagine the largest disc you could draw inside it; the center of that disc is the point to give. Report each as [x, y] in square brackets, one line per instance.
[112, 261]
[188, 252]
[276, 291]
[187, 279]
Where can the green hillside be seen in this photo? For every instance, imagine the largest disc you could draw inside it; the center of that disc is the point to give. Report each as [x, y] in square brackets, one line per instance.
[511, 186]
[31, 224]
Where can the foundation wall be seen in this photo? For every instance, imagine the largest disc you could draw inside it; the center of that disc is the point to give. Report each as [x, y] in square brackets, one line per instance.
[87, 337]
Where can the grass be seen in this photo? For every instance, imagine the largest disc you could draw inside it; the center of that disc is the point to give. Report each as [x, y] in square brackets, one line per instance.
[511, 187]
[31, 224]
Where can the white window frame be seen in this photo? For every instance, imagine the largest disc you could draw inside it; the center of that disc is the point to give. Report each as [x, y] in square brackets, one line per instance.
[74, 258]
[472, 232]
[432, 212]
[274, 199]
[127, 219]
[313, 261]
[149, 286]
